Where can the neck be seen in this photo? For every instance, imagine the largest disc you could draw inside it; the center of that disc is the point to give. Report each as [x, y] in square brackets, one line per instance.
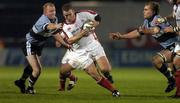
[151, 18]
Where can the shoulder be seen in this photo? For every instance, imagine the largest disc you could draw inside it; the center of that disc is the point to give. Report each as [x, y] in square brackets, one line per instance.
[155, 19]
[85, 12]
[43, 19]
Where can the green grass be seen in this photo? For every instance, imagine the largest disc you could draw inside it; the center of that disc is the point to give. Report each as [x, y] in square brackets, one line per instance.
[135, 85]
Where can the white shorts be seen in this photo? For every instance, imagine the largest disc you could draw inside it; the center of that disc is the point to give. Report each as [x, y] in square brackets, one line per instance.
[177, 47]
[78, 59]
[95, 50]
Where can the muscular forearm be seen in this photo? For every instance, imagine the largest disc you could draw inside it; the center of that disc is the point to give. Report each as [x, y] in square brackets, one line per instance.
[77, 36]
[131, 35]
[53, 26]
[169, 17]
[60, 40]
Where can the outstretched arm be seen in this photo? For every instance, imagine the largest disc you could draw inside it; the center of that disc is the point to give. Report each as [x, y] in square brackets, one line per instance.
[135, 33]
[130, 35]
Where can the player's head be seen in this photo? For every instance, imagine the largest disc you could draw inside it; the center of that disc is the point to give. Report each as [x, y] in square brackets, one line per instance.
[49, 10]
[68, 13]
[151, 9]
[172, 1]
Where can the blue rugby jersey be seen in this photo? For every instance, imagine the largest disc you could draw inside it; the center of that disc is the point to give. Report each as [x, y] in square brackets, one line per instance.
[165, 39]
[39, 34]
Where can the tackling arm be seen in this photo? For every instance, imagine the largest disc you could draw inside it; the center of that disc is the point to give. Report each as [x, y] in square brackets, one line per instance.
[53, 26]
[130, 35]
[61, 41]
[135, 33]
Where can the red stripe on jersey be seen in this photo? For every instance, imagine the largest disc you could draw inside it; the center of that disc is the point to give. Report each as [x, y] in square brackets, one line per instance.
[95, 36]
[89, 11]
[66, 36]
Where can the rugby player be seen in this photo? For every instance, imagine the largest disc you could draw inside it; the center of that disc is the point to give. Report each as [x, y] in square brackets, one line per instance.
[86, 48]
[46, 26]
[166, 40]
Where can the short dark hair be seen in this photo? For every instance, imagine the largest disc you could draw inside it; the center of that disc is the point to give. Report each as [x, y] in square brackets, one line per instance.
[67, 7]
[154, 6]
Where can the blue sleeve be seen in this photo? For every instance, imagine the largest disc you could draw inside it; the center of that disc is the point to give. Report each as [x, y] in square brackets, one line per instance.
[145, 23]
[41, 24]
[161, 25]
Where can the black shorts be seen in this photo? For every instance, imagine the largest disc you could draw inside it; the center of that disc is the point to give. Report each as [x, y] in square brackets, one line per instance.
[31, 49]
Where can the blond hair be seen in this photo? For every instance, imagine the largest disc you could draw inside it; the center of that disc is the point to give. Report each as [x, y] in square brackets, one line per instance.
[48, 4]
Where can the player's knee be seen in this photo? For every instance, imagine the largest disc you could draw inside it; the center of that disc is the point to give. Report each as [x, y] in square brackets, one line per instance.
[156, 60]
[37, 71]
[94, 74]
[65, 68]
[176, 62]
[105, 68]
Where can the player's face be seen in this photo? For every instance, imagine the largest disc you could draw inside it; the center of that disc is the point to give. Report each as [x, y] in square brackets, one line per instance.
[50, 12]
[148, 12]
[69, 15]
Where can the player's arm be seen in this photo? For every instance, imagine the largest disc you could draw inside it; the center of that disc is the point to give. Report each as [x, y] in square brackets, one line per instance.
[58, 44]
[170, 17]
[172, 29]
[130, 35]
[135, 33]
[60, 41]
[53, 26]
[78, 36]
[149, 31]
[165, 19]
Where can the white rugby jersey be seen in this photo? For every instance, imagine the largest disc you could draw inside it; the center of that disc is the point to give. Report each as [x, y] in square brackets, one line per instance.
[70, 29]
[176, 13]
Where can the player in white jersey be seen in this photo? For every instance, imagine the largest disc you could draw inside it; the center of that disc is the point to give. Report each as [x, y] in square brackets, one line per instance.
[176, 29]
[45, 27]
[86, 48]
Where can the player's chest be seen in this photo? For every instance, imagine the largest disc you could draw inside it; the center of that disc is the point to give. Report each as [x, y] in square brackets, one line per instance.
[75, 27]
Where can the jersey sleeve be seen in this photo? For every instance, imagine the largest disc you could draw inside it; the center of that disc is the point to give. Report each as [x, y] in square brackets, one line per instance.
[144, 23]
[160, 25]
[89, 14]
[40, 25]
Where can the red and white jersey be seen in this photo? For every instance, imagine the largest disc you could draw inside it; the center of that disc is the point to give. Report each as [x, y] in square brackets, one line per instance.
[176, 13]
[70, 29]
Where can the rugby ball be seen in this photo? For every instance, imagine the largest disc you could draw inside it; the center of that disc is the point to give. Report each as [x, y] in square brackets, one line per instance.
[88, 25]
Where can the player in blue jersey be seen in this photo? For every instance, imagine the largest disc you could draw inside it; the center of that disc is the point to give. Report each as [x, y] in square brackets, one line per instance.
[174, 29]
[166, 40]
[46, 26]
